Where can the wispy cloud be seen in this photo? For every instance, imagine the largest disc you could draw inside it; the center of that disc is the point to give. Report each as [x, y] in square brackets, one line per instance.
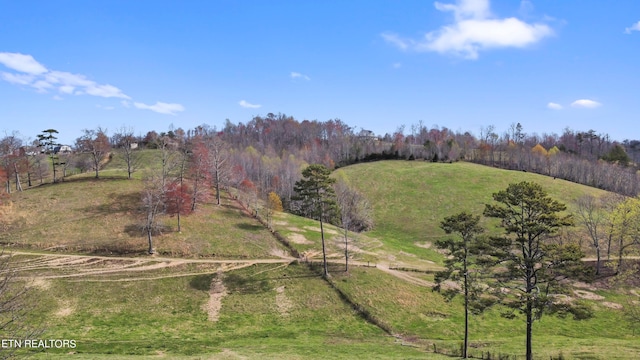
[297, 75]
[246, 104]
[105, 107]
[22, 63]
[474, 29]
[160, 107]
[586, 103]
[554, 106]
[29, 72]
[634, 27]
[397, 65]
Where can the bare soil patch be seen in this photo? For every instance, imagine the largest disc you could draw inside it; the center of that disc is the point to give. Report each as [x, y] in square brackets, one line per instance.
[582, 285]
[283, 303]
[39, 283]
[583, 294]
[317, 229]
[611, 305]
[424, 245]
[65, 309]
[299, 239]
[217, 291]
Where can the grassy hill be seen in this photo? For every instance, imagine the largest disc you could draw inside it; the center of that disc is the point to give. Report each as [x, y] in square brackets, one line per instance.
[410, 198]
[225, 288]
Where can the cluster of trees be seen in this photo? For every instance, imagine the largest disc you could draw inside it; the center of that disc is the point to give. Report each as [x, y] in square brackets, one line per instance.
[582, 157]
[270, 151]
[326, 199]
[524, 268]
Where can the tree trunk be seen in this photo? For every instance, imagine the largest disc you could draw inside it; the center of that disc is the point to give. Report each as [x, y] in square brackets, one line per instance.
[324, 251]
[529, 327]
[53, 164]
[18, 185]
[346, 251]
[466, 305]
[597, 260]
[179, 230]
[218, 187]
[620, 252]
[151, 250]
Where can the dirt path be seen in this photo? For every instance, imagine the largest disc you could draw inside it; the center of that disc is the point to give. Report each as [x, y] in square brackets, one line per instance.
[90, 268]
[78, 268]
[405, 276]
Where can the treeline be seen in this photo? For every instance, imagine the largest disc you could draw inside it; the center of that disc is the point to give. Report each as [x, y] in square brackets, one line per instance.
[267, 153]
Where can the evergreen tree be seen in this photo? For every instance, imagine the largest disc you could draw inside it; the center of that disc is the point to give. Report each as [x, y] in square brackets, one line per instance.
[531, 265]
[318, 199]
[461, 261]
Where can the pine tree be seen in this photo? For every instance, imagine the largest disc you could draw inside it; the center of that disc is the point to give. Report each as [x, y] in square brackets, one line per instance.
[529, 262]
[318, 199]
[461, 260]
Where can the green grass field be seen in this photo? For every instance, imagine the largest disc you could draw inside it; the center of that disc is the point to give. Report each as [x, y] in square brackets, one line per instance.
[206, 295]
[410, 198]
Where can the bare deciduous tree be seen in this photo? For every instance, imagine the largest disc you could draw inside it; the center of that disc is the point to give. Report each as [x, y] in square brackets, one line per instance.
[590, 216]
[127, 146]
[96, 144]
[219, 152]
[153, 204]
[355, 212]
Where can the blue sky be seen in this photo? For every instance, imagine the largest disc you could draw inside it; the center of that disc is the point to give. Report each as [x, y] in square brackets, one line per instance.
[375, 64]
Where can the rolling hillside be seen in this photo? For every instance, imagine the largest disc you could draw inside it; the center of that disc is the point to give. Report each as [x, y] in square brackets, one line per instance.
[225, 287]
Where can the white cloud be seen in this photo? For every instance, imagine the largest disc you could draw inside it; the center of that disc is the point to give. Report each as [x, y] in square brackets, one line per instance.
[66, 89]
[554, 106]
[402, 44]
[31, 73]
[22, 63]
[41, 86]
[160, 107]
[297, 75]
[634, 27]
[397, 65]
[474, 29]
[34, 74]
[105, 107]
[57, 97]
[586, 103]
[106, 91]
[246, 104]
[19, 79]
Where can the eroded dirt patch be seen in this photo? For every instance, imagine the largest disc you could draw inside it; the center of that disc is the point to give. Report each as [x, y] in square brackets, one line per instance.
[583, 294]
[66, 309]
[299, 239]
[317, 229]
[283, 303]
[611, 305]
[424, 245]
[217, 292]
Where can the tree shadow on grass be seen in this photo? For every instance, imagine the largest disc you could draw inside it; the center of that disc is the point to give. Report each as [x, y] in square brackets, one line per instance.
[245, 285]
[249, 227]
[201, 282]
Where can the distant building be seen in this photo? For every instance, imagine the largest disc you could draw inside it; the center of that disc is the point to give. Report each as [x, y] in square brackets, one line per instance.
[64, 149]
[367, 134]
